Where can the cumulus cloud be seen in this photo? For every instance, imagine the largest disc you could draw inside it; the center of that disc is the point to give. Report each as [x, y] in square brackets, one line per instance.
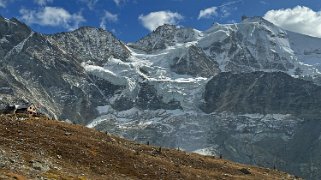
[298, 19]
[208, 13]
[43, 2]
[108, 16]
[222, 11]
[154, 19]
[52, 16]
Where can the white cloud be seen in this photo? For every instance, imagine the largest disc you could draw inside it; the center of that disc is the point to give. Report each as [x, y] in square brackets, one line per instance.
[231, 3]
[222, 11]
[43, 2]
[90, 3]
[226, 11]
[154, 19]
[208, 13]
[111, 17]
[298, 19]
[108, 16]
[119, 2]
[52, 16]
[263, 2]
[4, 3]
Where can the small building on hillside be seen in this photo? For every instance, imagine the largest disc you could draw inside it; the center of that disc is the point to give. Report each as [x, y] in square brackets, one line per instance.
[26, 109]
[20, 109]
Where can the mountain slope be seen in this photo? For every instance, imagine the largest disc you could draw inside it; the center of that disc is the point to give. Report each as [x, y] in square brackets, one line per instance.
[306, 48]
[263, 93]
[92, 61]
[165, 36]
[35, 70]
[41, 148]
[177, 86]
[91, 44]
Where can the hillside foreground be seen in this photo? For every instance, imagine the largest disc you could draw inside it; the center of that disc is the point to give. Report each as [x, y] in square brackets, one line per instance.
[37, 148]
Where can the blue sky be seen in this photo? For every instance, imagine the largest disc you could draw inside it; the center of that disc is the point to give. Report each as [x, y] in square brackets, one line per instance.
[130, 20]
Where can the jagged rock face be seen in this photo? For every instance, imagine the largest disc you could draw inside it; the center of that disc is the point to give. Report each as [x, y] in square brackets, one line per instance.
[160, 86]
[49, 71]
[37, 71]
[12, 32]
[164, 36]
[146, 99]
[91, 44]
[264, 93]
[195, 63]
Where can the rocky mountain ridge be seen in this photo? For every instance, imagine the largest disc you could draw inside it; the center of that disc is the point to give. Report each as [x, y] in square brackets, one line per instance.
[91, 44]
[208, 91]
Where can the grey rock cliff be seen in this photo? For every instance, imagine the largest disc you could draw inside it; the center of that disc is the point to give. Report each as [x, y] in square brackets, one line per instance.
[234, 89]
[263, 93]
[36, 70]
[91, 44]
[195, 63]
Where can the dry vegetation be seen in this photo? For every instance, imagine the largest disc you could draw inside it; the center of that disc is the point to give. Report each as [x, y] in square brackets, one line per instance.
[36, 148]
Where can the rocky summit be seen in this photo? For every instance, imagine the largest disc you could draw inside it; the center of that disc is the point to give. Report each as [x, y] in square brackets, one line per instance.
[248, 90]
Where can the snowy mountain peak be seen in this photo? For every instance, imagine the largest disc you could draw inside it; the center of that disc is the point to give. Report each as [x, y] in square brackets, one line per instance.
[91, 30]
[255, 44]
[177, 86]
[254, 19]
[12, 21]
[166, 27]
[12, 36]
[10, 26]
[165, 36]
[93, 44]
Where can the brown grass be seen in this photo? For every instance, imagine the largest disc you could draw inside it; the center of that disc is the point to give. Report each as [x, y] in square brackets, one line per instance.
[77, 152]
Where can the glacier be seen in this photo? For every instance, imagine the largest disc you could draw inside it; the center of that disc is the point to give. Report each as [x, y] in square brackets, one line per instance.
[249, 90]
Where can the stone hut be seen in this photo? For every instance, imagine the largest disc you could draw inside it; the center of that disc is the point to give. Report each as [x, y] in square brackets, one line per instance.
[26, 109]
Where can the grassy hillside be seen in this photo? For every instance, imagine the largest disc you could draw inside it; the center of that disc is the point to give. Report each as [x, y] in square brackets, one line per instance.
[36, 148]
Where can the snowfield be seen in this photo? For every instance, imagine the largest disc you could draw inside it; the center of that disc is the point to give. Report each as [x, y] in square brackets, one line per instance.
[154, 67]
